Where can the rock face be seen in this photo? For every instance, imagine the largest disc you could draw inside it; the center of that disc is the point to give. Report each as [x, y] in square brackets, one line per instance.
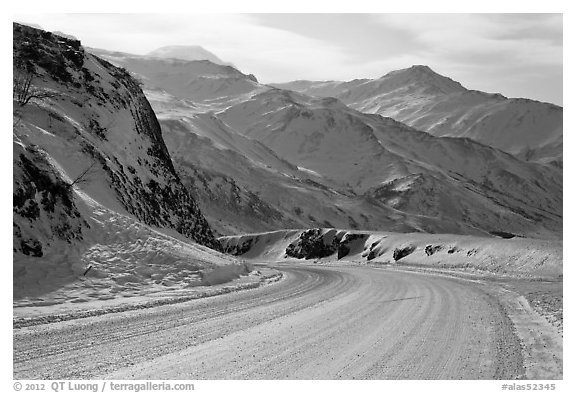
[43, 204]
[319, 243]
[400, 253]
[351, 241]
[95, 119]
[313, 243]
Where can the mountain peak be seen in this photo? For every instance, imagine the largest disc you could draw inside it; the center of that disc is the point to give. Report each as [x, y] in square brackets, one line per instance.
[417, 70]
[421, 68]
[424, 76]
[186, 52]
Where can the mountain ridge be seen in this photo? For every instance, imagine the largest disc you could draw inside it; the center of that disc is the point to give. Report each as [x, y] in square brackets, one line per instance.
[186, 52]
[430, 102]
[197, 80]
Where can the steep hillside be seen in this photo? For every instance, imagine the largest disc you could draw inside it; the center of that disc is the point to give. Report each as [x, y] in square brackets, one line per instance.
[99, 115]
[430, 102]
[243, 186]
[89, 155]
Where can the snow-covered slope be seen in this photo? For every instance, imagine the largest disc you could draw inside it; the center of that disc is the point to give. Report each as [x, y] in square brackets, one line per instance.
[94, 184]
[243, 186]
[430, 102]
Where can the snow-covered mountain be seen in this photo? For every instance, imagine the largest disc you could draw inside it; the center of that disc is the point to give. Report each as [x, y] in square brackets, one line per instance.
[305, 161]
[449, 179]
[93, 179]
[203, 82]
[186, 52]
[427, 101]
[243, 186]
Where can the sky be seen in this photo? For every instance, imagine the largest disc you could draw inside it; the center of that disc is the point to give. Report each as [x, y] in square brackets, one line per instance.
[518, 55]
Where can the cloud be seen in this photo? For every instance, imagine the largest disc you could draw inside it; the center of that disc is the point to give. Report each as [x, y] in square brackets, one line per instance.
[358, 36]
[481, 33]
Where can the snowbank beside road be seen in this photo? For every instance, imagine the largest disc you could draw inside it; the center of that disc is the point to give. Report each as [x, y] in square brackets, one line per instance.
[513, 256]
[120, 259]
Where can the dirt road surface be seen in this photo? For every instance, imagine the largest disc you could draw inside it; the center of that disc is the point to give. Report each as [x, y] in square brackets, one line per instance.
[315, 323]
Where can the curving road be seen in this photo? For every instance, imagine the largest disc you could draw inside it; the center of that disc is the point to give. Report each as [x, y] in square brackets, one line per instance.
[316, 323]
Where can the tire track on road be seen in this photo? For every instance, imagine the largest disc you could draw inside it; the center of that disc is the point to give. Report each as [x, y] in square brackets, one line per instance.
[316, 323]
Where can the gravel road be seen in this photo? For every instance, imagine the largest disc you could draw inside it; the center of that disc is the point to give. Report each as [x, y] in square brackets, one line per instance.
[316, 323]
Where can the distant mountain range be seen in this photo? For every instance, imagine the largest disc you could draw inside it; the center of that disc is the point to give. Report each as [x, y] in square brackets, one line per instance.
[262, 157]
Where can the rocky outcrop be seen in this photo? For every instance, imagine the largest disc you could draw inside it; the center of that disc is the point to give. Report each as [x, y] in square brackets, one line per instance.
[348, 241]
[321, 243]
[314, 243]
[400, 253]
[431, 250]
